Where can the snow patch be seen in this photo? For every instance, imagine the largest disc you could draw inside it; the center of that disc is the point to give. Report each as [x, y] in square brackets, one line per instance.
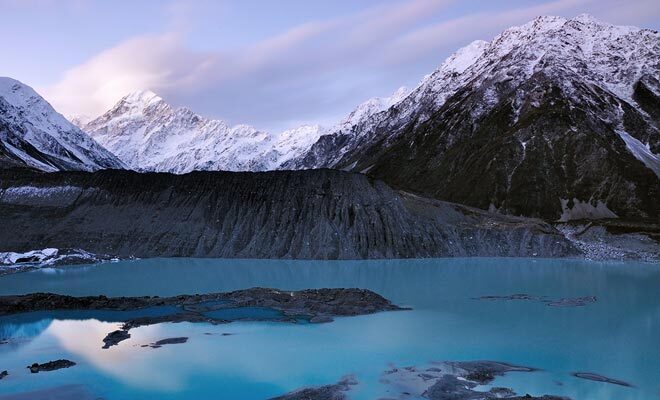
[641, 151]
[33, 195]
[584, 210]
[11, 262]
[34, 256]
[369, 108]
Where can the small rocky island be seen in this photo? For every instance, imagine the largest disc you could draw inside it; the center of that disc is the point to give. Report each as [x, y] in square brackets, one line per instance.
[446, 380]
[255, 304]
[50, 366]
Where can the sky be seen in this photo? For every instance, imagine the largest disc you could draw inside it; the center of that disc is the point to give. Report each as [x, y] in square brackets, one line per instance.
[273, 64]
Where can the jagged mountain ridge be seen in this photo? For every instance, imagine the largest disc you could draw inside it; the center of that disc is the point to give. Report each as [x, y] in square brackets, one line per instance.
[150, 135]
[34, 135]
[557, 118]
[319, 214]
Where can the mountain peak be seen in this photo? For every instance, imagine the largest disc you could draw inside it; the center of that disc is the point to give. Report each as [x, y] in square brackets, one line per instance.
[141, 97]
[587, 19]
[398, 95]
[464, 57]
[550, 21]
[36, 135]
[16, 92]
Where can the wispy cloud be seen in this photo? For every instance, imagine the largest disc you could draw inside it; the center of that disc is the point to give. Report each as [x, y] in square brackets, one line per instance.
[157, 62]
[163, 62]
[293, 76]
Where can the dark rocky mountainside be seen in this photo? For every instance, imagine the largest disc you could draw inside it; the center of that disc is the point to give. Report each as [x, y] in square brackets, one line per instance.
[320, 214]
[541, 155]
[558, 119]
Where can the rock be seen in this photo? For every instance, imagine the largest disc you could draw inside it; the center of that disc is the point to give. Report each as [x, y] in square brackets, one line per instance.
[563, 302]
[50, 366]
[483, 372]
[600, 378]
[502, 392]
[521, 296]
[316, 305]
[164, 342]
[320, 319]
[573, 302]
[449, 387]
[455, 380]
[482, 377]
[615, 239]
[115, 337]
[328, 392]
[311, 302]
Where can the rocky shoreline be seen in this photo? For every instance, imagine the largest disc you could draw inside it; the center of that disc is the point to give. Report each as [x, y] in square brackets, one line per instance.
[448, 380]
[256, 304]
[442, 380]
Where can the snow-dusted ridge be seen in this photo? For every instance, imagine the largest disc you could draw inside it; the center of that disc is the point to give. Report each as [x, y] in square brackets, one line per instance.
[148, 134]
[610, 57]
[556, 108]
[33, 134]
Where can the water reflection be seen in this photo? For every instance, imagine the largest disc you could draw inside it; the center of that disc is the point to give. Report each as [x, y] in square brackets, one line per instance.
[615, 336]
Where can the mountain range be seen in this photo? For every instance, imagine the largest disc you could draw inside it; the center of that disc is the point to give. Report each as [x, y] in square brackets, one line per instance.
[148, 134]
[558, 119]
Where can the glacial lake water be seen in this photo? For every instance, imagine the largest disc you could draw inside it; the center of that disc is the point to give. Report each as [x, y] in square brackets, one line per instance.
[618, 335]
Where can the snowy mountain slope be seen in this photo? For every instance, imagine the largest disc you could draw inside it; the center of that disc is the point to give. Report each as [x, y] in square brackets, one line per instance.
[371, 107]
[418, 104]
[150, 135]
[33, 134]
[79, 120]
[547, 116]
[355, 128]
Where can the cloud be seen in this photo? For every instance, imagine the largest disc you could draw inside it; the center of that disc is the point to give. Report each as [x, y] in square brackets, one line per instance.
[154, 62]
[454, 32]
[164, 64]
[312, 72]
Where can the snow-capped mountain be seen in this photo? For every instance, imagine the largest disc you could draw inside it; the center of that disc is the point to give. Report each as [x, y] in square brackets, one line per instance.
[332, 145]
[372, 106]
[33, 134]
[79, 120]
[557, 118]
[393, 114]
[150, 135]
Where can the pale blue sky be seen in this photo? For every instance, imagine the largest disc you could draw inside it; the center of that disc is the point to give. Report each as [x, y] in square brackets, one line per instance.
[272, 64]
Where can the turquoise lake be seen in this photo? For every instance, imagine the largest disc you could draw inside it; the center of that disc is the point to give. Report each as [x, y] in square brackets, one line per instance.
[618, 335]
